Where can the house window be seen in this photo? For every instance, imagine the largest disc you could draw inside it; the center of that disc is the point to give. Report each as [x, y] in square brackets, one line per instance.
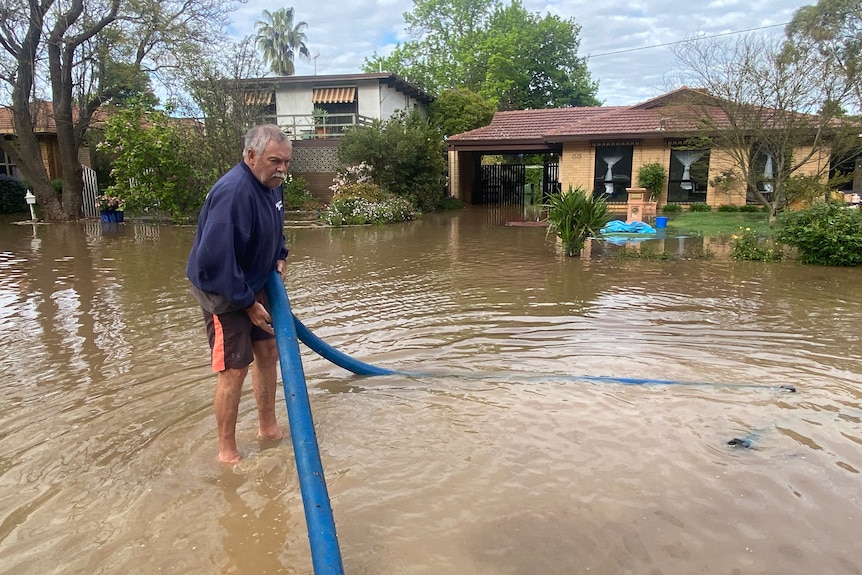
[764, 170]
[688, 175]
[613, 171]
[6, 165]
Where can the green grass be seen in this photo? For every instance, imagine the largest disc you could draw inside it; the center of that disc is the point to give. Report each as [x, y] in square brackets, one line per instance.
[718, 223]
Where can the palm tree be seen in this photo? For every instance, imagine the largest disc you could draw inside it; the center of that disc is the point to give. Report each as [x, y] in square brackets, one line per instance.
[281, 41]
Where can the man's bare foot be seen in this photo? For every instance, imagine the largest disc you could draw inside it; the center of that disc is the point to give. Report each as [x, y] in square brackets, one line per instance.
[270, 434]
[229, 458]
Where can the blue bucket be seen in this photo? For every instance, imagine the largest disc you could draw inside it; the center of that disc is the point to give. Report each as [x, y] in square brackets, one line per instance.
[660, 222]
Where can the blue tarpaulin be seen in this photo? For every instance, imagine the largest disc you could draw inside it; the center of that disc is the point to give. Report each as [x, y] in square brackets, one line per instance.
[620, 227]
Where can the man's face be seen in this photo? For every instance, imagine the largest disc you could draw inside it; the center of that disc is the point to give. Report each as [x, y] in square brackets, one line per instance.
[270, 168]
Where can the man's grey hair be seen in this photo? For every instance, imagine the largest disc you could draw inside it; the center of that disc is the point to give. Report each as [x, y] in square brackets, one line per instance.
[258, 137]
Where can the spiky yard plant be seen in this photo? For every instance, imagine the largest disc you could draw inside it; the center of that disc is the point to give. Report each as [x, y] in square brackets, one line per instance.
[574, 216]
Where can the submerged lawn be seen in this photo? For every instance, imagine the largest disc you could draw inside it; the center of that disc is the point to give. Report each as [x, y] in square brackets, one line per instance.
[718, 223]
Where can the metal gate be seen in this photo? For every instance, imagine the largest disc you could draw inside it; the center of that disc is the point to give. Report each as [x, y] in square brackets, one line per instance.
[550, 180]
[504, 184]
[91, 190]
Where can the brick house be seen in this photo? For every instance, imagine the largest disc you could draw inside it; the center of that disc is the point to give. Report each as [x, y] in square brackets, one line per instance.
[46, 133]
[601, 149]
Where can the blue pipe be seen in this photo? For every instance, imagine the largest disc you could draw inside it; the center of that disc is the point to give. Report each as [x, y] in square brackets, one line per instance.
[361, 368]
[325, 554]
[338, 358]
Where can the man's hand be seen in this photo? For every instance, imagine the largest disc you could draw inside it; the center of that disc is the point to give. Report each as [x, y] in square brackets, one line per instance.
[281, 268]
[260, 317]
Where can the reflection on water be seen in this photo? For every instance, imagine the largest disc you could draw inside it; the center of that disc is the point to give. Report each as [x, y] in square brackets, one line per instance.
[508, 445]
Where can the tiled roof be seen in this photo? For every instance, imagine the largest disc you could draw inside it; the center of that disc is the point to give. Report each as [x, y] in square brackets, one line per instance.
[669, 113]
[532, 124]
[44, 121]
[631, 122]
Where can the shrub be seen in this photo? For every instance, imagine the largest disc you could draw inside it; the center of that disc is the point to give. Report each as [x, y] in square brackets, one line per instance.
[699, 207]
[296, 193]
[348, 210]
[747, 246]
[575, 216]
[652, 176]
[360, 173]
[451, 203]
[408, 155]
[671, 209]
[727, 208]
[823, 234]
[12, 192]
[751, 208]
[365, 191]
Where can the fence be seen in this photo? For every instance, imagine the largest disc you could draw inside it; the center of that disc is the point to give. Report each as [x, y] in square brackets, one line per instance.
[91, 191]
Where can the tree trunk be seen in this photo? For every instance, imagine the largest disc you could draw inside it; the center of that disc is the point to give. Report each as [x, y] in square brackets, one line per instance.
[26, 153]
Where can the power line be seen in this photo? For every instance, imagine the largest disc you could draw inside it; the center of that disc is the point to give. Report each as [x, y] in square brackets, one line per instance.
[684, 41]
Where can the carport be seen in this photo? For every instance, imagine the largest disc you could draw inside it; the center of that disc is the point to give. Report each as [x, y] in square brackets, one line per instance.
[516, 132]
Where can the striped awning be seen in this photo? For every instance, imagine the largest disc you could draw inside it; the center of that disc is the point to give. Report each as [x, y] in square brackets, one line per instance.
[257, 98]
[333, 95]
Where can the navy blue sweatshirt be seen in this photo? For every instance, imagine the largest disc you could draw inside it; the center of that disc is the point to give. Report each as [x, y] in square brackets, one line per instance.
[239, 239]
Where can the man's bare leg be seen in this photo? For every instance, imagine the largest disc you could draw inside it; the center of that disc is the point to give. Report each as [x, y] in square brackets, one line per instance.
[226, 405]
[263, 379]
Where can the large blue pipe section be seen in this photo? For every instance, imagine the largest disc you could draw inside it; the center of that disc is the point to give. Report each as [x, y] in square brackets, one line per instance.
[325, 554]
[338, 358]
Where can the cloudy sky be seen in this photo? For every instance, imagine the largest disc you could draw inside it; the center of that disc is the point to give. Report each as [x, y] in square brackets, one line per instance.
[626, 42]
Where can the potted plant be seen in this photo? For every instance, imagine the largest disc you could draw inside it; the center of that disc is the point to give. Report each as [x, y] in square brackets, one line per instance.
[110, 208]
[320, 117]
[574, 217]
[652, 177]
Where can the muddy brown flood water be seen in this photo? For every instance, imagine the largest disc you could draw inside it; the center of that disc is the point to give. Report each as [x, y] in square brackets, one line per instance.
[508, 453]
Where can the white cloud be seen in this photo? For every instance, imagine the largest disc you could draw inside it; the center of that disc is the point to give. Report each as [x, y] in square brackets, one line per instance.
[346, 33]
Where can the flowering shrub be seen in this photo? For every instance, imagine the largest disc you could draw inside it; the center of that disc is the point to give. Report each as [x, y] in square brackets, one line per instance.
[357, 211]
[747, 246]
[365, 190]
[357, 200]
[110, 204]
[356, 174]
[155, 163]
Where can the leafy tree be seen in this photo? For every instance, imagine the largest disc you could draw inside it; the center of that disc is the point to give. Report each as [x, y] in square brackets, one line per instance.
[227, 104]
[531, 62]
[446, 32]
[460, 110]
[90, 53]
[760, 99]
[832, 29]
[281, 40]
[407, 154]
[155, 165]
[503, 52]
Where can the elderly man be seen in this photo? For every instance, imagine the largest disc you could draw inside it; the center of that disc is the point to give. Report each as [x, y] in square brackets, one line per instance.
[238, 244]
